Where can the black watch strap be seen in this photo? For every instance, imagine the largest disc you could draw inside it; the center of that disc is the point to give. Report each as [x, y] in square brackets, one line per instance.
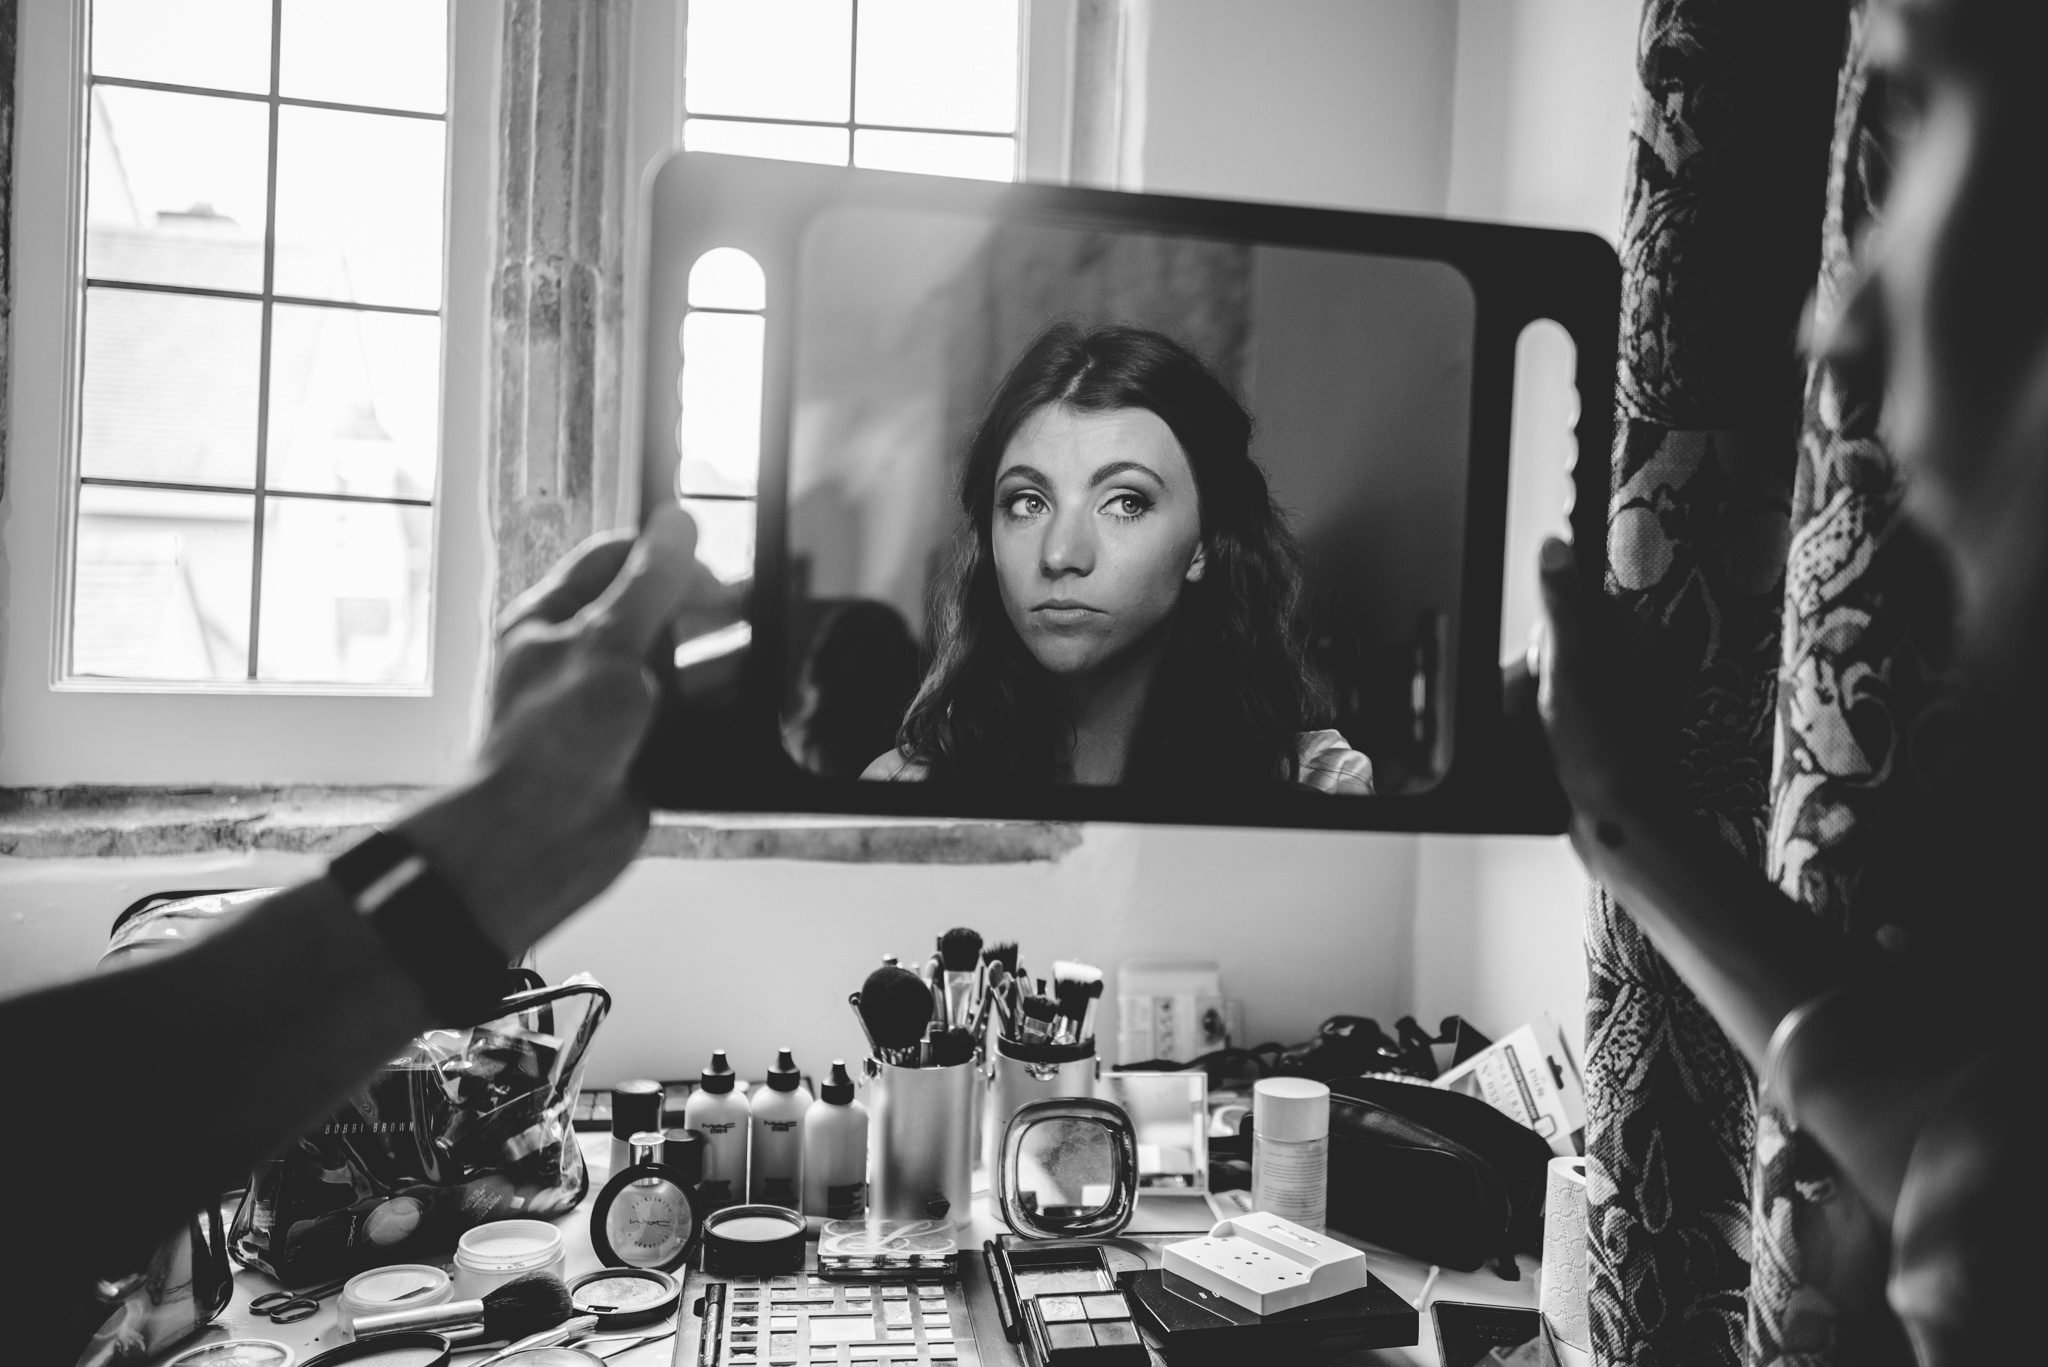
[424, 924]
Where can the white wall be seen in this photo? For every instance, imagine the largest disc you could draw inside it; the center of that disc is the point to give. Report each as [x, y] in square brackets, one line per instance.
[749, 955]
[1341, 103]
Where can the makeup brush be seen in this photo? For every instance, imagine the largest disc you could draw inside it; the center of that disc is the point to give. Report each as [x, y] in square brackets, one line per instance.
[895, 1006]
[575, 1327]
[523, 1306]
[1038, 1016]
[991, 988]
[934, 975]
[959, 954]
[1074, 985]
[853, 1000]
[1002, 952]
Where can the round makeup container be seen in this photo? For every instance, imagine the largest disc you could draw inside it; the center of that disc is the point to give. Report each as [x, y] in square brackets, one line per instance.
[753, 1241]
[401, 1286]
[625, 1297]
[490, 1255]
[411, 1348]
[236, 1353]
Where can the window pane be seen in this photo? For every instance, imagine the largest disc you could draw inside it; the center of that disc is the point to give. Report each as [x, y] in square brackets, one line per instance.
[725, 535]
[175, 188]
[354, 402]
[170, 387]
[359, 207]
[938, 64]
[162, 584]
[782, 141]
[383, 52]
[727, 278]
[936, 154]
[344, 592]
[221, 43]
[720, 436]
[773, 59]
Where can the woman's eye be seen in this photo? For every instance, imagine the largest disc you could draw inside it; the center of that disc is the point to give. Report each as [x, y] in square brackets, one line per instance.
[1128, 506]
[1023, 504]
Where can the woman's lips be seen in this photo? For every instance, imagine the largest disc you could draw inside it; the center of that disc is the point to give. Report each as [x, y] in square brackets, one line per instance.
[1065, 614]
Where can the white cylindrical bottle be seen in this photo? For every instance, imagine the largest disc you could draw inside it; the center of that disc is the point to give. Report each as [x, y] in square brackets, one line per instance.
[775, 1160]
[721, 1115]
[1291, 1150]
[836, 1150]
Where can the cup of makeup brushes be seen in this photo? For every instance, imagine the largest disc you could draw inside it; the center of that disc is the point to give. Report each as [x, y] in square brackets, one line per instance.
[921, 1141]
[1019, 1073]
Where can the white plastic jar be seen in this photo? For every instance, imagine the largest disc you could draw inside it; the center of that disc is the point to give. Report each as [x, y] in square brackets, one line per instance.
[1291, 1150]
[490, 1255]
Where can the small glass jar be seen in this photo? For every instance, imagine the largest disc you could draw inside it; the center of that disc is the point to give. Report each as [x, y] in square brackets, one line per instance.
[400, 1286]
[490, 1255]
[1291, 1150]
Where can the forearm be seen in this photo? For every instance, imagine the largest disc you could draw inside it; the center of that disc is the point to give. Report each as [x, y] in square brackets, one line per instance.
[1751, 955]
[198, 1065]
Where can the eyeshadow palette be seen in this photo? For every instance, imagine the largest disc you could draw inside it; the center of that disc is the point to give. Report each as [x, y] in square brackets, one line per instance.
[805, 1321]
[1062, 1301]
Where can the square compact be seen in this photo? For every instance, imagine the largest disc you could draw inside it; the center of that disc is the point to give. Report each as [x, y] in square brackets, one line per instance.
[1064, 1303]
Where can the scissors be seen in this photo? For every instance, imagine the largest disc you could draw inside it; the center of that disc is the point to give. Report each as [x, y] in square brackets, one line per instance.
[289, 1307]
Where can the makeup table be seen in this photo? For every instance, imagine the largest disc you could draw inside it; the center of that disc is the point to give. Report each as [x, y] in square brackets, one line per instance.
[988, 1347]
[1404, 1276]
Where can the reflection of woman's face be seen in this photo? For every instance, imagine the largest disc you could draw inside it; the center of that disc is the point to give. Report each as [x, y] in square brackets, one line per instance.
[1096, 528]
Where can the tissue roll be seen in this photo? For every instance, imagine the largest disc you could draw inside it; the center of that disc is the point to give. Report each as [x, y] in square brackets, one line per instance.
[1563, 1300]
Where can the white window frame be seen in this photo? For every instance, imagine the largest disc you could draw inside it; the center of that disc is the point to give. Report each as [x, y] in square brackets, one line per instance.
[56, 730]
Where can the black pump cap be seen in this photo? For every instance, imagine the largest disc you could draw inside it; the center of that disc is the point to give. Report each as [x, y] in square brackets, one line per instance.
[784, 1077]
[838, 1089]
[719, 1077]
[636, 1106]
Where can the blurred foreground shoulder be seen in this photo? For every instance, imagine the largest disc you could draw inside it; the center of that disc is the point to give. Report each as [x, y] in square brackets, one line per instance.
[1326, 763]
[896, 767]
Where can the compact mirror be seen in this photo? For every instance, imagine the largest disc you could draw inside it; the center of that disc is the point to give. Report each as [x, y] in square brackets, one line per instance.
[1069, 1169]
[1061, 503]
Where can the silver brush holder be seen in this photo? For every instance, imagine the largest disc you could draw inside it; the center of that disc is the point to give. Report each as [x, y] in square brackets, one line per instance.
[1019, 1074]
[921, 1145]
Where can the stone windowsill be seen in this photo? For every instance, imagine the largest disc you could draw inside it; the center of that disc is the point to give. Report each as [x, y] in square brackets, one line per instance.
[97, 822]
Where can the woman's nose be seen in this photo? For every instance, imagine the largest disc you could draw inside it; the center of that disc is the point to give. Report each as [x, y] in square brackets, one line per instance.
[1069, 546]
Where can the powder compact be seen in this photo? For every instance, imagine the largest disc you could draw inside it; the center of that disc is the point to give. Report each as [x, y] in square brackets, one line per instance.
[753, 1241]
[625, 1297]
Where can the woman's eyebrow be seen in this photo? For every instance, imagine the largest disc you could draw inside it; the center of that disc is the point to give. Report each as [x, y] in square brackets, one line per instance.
[1024, 472]
[1124, 467]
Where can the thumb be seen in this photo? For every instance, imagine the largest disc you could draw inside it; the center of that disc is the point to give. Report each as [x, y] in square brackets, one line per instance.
[651, 586]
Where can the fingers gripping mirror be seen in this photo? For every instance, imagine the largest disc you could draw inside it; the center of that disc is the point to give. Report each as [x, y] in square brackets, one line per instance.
[1072, 504]
[1069, 1170]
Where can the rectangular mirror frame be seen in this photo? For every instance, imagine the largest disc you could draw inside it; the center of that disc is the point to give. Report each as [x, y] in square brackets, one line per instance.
[728, 756]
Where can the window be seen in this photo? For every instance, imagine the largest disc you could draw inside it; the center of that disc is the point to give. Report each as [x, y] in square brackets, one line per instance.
[898, 85]
[258, 405]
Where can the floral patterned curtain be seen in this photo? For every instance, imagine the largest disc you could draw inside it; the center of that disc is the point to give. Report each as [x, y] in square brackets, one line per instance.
[1730, 144]
[1860, 739]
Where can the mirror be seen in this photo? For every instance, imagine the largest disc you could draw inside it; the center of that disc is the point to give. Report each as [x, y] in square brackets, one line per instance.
[1074, 504]
[1069, 1169]
[1170, 1119]
[1307, 432]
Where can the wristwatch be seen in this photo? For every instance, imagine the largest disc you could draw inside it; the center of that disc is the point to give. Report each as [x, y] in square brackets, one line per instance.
[425, 924]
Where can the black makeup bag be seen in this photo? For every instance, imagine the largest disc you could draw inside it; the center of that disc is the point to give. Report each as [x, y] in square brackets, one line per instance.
[1434, 1174]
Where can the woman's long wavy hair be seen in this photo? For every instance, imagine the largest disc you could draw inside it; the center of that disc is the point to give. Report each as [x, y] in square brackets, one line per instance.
[1234, 688]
